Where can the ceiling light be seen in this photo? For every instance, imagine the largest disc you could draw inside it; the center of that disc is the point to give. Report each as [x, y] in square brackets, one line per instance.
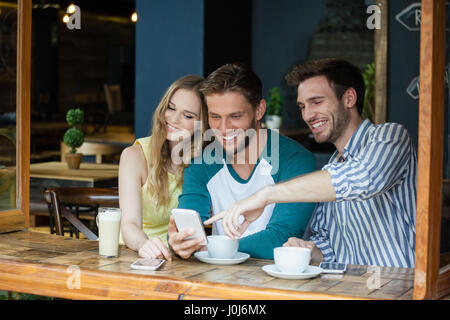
[134, 17]
[71, 9]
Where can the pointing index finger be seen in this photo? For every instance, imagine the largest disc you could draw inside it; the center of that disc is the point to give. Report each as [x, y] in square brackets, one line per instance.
[215, 218]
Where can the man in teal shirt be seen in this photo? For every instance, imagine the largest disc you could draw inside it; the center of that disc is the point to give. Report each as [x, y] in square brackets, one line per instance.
[243, 159]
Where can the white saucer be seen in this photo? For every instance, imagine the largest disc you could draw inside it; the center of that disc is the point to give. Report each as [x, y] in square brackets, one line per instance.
[238, 258]
[310, 272]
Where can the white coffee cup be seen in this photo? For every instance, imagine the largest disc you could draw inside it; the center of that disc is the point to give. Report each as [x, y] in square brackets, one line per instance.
[222, 247]
[108, 222]
[292, 259]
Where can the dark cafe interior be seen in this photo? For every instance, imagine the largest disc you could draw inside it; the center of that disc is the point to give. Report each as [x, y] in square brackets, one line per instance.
[81, 81]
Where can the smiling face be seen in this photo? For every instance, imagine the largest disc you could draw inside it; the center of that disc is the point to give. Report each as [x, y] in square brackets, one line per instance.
[325, 114]
[181, 113]
[231, 115]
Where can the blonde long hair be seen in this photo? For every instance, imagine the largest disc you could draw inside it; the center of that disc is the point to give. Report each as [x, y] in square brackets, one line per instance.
[160, 156]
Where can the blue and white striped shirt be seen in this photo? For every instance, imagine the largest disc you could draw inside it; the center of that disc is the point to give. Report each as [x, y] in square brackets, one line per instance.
[373, 220]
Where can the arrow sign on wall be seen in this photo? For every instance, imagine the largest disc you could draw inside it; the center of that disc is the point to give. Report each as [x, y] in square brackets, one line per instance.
[410, 17]
[413, 87]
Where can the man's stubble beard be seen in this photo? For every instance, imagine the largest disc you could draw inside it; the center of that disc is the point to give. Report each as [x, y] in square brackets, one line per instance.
[340, 122]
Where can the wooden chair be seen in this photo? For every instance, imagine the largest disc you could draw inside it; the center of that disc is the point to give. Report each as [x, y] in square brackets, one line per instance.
[63, 199]
[93, 148]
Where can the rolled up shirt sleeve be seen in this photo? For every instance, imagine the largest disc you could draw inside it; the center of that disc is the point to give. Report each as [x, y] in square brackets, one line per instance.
[380, 166]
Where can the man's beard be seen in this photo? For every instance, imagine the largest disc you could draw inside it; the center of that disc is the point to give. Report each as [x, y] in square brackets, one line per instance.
[340, 120]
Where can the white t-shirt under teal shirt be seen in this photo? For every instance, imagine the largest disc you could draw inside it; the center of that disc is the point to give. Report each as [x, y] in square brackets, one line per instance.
[210, 184]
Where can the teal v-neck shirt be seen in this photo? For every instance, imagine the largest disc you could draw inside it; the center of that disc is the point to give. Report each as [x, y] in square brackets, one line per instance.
[211, 185]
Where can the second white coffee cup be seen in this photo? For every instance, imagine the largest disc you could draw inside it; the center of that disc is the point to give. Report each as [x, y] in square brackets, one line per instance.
[222, 247]
[292, 259]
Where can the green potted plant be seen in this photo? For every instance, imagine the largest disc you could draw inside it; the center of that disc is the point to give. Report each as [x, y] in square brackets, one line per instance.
[274, 108]
[74, 137]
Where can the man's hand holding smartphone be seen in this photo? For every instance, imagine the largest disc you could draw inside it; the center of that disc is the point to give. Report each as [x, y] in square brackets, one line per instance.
[183, 248]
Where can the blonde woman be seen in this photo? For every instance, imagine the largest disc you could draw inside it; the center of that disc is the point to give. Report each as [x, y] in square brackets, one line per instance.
[149, 178]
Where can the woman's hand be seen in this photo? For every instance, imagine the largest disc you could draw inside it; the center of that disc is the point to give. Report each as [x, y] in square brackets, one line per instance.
[250, 208]
[154, 248]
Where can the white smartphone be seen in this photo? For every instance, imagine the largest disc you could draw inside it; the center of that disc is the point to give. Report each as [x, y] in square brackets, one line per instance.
[333, 267]
[185, 219]
[147, 264]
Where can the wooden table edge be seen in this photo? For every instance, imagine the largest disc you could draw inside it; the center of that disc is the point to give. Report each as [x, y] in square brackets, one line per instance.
[67, 177]
[73, 178]
[55, 281]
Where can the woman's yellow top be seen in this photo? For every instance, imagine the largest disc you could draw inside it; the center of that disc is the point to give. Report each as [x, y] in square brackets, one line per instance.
[155, 220]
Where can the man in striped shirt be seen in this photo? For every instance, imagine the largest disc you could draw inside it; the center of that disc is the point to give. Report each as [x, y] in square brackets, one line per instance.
[367, 191]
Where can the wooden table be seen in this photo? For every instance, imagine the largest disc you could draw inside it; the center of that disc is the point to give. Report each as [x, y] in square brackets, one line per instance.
[48, 265]
[123, 139]
[91, 173]
[56, 174]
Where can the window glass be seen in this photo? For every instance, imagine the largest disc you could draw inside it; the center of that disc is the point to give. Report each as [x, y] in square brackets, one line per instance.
[8, 68]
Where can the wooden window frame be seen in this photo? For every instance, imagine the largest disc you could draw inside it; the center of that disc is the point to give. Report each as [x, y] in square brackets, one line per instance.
[430, 281]
[23, 99]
